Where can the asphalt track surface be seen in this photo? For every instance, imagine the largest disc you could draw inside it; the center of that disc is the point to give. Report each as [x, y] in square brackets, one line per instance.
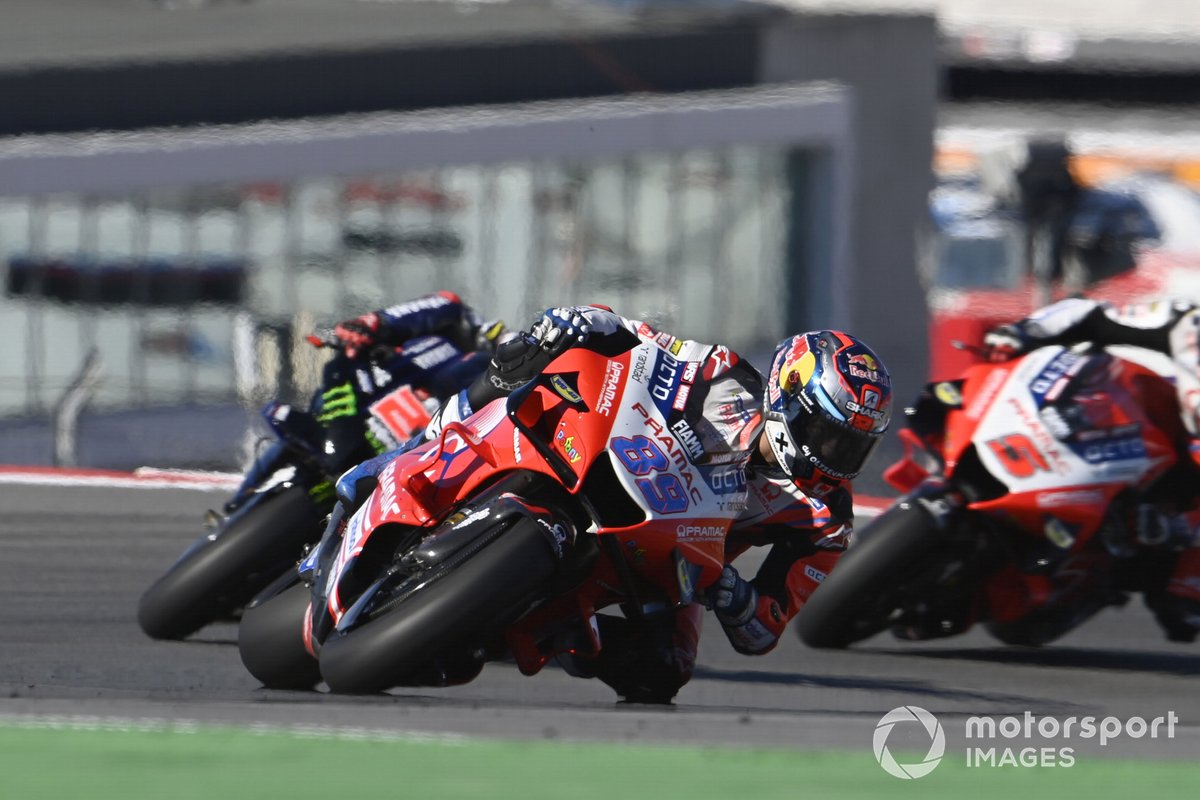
[76, 559]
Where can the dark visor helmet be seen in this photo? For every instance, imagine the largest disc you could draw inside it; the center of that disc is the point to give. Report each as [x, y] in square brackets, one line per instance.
[827, 405]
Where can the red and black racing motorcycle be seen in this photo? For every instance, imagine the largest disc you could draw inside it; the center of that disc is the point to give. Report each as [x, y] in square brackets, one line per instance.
[1020, 517]
[288, 492]
[506, 535]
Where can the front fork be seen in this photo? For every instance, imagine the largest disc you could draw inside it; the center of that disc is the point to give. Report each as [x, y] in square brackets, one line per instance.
[949, 604]
[265, 463]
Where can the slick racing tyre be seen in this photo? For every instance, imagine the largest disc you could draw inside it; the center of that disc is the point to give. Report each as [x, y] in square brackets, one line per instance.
[222, 572]
[464, 606]
[271, 641]
[861, 594]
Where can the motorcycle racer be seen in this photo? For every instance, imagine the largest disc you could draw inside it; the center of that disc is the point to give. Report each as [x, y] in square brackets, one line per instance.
[781, 449]
[1169, 518]
[390, 371]
[375, 348]
[441, 313]
[398, 333]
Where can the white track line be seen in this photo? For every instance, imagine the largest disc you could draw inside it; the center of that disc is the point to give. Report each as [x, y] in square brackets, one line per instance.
[144, 478]
[84, 722]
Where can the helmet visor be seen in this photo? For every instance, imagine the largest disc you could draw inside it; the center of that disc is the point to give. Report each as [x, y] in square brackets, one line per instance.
[835, 449]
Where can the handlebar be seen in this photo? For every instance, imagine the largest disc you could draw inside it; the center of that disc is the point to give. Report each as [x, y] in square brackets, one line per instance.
[327, 338]
[974, 349]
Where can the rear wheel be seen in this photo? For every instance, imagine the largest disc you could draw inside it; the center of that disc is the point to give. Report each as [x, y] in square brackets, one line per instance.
[271, 641]
[220, 575]
[861, 595]
[451, 612]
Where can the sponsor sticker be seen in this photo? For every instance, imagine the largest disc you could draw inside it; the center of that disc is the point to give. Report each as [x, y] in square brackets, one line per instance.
[638, 373]
[564, 389]
[681, 397]
[474, 516]
[567, 443]
[695, 533]
[688, 438]
[608, 392]
[666, 374]
[947, 393]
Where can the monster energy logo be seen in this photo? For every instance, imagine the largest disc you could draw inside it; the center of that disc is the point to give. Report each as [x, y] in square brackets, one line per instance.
[337, 402]
[376, 443]
[322, 493]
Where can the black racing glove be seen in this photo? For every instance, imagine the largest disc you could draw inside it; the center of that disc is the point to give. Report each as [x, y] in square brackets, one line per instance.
[1006, 342]
[516, 362]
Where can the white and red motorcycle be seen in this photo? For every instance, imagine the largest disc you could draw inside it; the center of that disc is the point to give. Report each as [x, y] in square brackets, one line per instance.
[509, 532]
[1021, 516]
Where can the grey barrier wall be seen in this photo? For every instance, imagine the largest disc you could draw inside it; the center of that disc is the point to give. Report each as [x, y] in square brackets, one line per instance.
[814, 114]
[694, 189]
[890, 63]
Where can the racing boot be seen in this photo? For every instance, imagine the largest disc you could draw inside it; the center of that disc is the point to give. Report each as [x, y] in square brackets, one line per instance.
[645, 661]
[1176, 606]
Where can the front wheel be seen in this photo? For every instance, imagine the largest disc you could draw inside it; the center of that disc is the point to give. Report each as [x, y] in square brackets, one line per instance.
[861, 595]
[271, 641]
[221, 574]
[465, 606]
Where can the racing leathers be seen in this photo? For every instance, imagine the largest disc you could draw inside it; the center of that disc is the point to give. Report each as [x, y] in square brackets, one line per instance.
[1170, 518]
[441, 313]
[712, 401]
[436, 343]
[380, 388]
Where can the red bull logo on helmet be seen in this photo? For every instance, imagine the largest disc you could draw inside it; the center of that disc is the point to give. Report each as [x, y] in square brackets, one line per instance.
[799, 363]
[797, 373]
[865, 366]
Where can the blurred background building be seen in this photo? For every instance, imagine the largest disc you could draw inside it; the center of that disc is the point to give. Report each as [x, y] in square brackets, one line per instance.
[1067, 159]
[189, 187]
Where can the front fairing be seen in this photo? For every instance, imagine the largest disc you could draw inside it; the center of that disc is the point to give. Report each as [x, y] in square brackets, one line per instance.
[1045, 477]
[658, 464]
